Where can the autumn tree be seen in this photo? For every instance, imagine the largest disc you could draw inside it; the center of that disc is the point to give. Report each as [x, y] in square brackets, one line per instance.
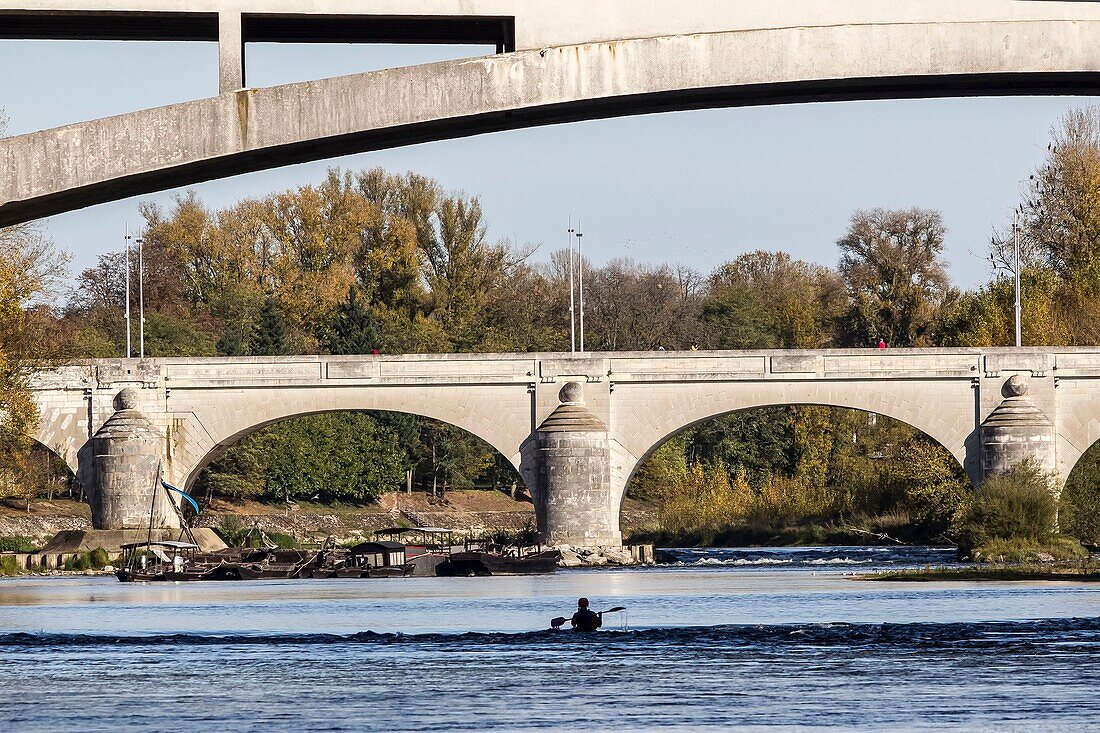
[30, 269]
[1061, 209]
[629, 307]
[768, 299]
[1059, 237]
[891, 264]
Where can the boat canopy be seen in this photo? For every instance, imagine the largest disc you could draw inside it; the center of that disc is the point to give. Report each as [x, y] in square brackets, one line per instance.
[405, 530]
[397, 532]
[377, 546]
[167, 543]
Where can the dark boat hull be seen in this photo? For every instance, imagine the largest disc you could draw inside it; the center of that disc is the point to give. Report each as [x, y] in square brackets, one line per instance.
[467, 564]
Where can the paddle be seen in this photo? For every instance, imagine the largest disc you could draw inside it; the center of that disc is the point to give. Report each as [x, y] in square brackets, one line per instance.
[557, 623]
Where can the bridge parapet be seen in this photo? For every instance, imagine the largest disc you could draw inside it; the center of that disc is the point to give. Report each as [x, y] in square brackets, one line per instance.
[199, 406]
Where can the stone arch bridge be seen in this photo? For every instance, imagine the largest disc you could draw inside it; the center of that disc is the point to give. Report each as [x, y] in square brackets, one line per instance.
[558, 61]
[576, 426]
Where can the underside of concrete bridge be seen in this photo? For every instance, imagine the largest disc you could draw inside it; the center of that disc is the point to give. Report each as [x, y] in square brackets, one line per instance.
[557, 62]
[576, 427]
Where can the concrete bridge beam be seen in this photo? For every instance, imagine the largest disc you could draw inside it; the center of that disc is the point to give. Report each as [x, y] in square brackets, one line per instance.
[244, 130]
[230, 52]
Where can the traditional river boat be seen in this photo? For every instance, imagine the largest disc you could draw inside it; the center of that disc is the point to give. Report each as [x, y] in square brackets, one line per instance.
[498, 560]
[426, 548]
[169, 561]
[160, 561]
[408, 552]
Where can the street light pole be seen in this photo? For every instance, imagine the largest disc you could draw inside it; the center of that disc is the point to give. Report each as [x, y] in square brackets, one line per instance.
[129, 349]
[141, 297]
[572, 320]
[580, 293]
[1016, 246]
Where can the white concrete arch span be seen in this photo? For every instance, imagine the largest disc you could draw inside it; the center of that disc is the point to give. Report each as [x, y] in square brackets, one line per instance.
[950, 423]
[610, 59]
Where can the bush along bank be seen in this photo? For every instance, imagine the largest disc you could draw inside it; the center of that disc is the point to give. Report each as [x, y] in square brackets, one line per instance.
[858, 531]
[1013, 518]
[92, 562]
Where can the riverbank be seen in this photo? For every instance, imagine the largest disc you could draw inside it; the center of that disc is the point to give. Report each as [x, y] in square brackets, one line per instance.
[466, 511]
[876, 531]
[471, 512]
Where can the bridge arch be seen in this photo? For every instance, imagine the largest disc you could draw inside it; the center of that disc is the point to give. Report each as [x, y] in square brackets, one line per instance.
[201, 436]
[907, 403]
[59, 170]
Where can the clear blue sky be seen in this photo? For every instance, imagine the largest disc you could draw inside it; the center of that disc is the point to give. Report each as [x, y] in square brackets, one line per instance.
[691, 187]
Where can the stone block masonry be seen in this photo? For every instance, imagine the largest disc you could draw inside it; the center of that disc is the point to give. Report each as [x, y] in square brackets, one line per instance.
[576, 429]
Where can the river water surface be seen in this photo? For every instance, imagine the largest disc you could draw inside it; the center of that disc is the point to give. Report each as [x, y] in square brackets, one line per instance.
[762, 639]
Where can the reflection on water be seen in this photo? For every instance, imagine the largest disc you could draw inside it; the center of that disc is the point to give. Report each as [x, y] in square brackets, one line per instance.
[782, 638]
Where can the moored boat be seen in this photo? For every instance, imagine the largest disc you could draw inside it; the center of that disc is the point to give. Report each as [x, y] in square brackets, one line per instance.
[476, 563]
[160, 561]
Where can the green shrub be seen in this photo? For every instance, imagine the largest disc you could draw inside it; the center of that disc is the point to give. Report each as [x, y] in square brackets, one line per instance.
[10, 566]
[285, 541]
[1019, 550]
[18, 543]
[99, 558]
[94, 560]
[232, 530]
[1015, 507]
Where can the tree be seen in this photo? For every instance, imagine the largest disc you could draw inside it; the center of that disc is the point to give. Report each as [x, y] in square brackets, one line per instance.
[453, 458]
[1061, 210]
[796, 302]
[330, 457]
[633, 307]
[30, 269]
[463, 270]
[891, 265]
[354, 329]
[270, 336]
[733, 317]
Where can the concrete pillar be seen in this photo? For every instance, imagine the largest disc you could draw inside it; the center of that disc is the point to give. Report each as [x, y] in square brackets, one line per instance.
[230, 52]
[127, 456]
[1017, 430]
[575, 504]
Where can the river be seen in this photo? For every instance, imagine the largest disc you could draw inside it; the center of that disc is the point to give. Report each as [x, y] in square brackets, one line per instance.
[761, 639]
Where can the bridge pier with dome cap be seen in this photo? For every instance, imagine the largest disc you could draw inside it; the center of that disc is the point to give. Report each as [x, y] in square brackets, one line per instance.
[576, 505]
[1018, 431]
[126, 452]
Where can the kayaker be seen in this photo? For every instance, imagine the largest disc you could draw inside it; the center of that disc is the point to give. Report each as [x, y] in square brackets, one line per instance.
[585, 619]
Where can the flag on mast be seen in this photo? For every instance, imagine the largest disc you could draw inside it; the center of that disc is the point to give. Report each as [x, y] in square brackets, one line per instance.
[182, 493]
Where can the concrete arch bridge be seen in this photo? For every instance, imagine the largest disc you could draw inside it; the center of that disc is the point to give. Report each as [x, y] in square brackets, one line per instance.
[576, 426]
[558, 61]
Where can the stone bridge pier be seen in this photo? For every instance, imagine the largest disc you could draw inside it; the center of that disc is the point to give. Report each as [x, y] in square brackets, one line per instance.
[576, 427]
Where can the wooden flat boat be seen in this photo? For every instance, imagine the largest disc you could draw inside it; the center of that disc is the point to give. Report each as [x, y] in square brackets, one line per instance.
[477, 563]
[160, 561]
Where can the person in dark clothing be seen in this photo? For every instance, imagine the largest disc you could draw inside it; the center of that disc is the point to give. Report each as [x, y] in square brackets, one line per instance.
[585, 619]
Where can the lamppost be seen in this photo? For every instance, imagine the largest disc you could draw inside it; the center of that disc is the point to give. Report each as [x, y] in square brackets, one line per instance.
[129, 350]
[1016, 247]
[580, 256]
[572, 320]
[998, 260]
[141, 297]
